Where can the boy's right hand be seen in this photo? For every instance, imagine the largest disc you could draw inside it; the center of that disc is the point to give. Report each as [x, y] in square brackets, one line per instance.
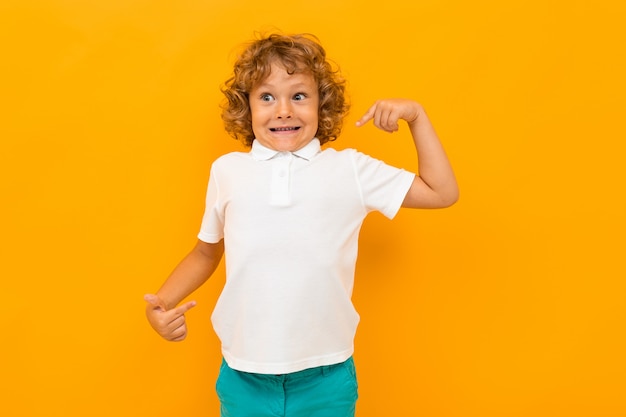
[170, 324]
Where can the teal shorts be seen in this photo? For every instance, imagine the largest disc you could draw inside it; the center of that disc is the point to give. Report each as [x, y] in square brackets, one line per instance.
[325, 391]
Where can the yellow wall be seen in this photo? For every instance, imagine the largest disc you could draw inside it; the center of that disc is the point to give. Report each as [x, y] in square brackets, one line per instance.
[509, 304]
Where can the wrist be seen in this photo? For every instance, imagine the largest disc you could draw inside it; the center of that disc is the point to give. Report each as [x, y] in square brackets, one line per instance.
[417, 115]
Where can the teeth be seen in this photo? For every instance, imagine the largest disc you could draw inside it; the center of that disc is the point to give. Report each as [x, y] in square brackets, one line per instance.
[283, 129]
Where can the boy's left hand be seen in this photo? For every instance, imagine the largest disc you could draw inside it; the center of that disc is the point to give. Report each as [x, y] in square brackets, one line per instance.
[387, 113]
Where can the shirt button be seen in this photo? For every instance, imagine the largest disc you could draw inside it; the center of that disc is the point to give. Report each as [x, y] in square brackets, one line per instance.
[281, 174]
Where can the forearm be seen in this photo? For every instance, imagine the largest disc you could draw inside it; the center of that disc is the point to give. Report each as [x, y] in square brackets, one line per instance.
[193, 271]
[434, 168]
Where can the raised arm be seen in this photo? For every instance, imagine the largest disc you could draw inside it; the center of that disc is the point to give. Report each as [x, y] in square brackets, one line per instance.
[435, 185]
[163, 312]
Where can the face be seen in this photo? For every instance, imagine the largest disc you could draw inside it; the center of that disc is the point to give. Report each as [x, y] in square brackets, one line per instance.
[284, 110]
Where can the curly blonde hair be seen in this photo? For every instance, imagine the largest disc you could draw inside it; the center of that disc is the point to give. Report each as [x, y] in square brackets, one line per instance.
[296, 53]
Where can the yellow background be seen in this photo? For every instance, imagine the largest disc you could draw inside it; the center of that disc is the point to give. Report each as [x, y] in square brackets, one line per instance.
[509, 304]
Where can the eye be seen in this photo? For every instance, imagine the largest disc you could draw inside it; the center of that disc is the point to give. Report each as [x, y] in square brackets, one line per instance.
[266, 97]
[299, 96]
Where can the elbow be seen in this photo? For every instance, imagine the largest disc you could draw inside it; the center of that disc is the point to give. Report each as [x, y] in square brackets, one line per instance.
[451, 201]
[450, 198]
[421, 195]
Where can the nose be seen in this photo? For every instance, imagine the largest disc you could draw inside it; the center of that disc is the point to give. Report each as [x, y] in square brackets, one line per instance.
[284, 110]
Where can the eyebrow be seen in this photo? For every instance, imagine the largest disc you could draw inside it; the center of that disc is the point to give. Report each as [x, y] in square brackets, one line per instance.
[266, 85]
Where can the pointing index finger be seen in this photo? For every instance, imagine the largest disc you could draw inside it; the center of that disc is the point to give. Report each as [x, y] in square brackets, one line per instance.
[369, 115]
[180, 310]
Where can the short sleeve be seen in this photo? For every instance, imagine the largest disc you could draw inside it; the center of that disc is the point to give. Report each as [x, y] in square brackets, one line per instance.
[382, 187]
[212, 227]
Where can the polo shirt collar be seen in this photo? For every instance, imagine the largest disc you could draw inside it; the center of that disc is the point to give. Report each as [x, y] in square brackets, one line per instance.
[263, 153]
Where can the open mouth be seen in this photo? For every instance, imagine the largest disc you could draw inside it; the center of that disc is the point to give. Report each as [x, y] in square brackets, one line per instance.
[284, 129]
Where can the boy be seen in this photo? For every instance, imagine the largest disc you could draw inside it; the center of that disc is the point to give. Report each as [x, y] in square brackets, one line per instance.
[287, 215]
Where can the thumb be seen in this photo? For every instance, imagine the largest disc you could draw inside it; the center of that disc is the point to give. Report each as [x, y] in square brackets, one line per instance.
[155, 301]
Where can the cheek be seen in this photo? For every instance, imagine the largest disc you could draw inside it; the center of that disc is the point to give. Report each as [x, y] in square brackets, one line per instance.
[255, 124]
[256, 116]
[315, 119]
[313, 115]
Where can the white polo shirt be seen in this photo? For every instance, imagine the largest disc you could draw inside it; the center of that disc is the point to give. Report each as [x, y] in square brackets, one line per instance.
[290, 223]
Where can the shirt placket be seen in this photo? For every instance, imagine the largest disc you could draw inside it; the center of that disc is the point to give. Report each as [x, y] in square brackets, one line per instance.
[281, 177]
